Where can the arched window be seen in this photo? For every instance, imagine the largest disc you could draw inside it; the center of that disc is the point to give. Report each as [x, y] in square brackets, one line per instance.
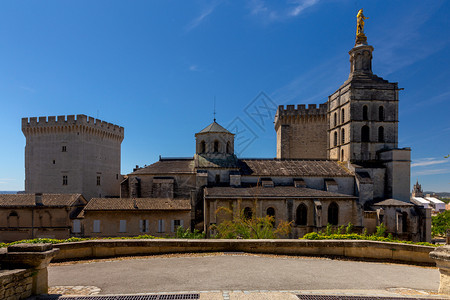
[342, 155]
[365, 113]
[381, 134]
[381, 113]
[202, 147]
[333, 214]
[271, 213]
[335, 119]
[216, 146]
[342, 116]
[13, 219]
[335, 139]
[301, 218]
[45, 219]
[365, 133]
[342, 136]
[228, 147]
[248, 213]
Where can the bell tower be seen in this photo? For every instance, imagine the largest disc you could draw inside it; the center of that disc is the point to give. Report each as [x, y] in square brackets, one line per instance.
[363, 112]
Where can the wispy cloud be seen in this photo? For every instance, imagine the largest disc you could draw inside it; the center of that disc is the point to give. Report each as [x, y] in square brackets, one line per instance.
[26, 88]
[429, 162]
[431, 172]
[296, 89]
[208, 10]
[301, 6]
[290, 9]
[193, 68]
[445, 96]
[395, 44]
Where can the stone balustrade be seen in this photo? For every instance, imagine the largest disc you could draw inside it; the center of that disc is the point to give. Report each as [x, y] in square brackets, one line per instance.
[24, 270]
[442, 258]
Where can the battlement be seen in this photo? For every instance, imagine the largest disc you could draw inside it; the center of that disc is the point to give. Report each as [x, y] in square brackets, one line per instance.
[301, 110]
[71, 121]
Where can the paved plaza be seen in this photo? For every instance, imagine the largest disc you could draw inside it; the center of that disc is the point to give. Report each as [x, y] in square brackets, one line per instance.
[242, 276]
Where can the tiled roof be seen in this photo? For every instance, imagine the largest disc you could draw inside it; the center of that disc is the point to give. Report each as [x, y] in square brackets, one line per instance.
[29, 200]
[168, 166]
[293, 168]
[214, 127]
[392, 202]
[137, 204]
[250, 167]
[268, 192]
[364, 177]
[205, 162]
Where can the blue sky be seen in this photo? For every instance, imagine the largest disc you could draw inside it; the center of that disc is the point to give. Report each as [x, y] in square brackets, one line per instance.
[155, 67]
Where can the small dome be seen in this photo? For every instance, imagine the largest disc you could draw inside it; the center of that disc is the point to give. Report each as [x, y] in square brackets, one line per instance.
[214, 127]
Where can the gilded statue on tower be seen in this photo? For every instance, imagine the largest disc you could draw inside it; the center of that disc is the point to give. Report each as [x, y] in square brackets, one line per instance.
[360, 36]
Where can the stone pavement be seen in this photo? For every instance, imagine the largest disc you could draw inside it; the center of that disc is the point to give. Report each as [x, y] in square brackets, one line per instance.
[241, 276]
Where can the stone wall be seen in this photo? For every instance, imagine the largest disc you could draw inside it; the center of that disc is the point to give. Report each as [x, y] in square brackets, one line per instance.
[353, 249]
[15, 284]
[36, 222]
[301, 132]
[83, 149]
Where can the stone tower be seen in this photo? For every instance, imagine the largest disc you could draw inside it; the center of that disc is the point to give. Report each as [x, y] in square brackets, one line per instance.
[301, 131]
[417, 190]
[72, 155]
[363, 112]
[214, 142]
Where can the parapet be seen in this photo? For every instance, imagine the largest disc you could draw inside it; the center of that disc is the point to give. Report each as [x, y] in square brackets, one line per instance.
[52, 122]
[301, 110]
[290, 112]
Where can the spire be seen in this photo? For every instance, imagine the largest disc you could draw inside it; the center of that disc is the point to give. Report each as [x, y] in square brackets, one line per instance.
[214, 109]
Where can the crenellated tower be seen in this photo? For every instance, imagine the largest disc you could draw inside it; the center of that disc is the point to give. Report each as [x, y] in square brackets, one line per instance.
[73, 154]
[301, 131]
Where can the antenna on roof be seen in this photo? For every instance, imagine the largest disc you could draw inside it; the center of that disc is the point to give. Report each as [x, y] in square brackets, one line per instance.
[214, 109]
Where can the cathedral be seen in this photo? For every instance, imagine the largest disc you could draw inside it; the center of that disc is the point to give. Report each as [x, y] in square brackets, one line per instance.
[336, 164]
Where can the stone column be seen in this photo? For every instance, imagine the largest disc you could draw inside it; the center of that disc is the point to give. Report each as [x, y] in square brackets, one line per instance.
[30, 256]
[442, 258]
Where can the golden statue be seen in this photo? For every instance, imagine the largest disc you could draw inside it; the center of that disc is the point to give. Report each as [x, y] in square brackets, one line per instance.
[360, 36]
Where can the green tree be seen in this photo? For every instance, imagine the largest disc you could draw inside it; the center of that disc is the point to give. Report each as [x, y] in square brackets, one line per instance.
[440, 223]
[243, 227]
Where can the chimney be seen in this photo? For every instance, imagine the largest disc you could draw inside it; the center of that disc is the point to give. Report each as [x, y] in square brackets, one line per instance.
[38, 199]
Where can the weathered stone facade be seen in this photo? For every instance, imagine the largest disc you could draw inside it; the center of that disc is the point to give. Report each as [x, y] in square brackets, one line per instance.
[301, 131]
[67, 155]
[29, 216]
[135, 216]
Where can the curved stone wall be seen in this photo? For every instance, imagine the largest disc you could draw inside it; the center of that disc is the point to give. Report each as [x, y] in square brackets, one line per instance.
[352, 249]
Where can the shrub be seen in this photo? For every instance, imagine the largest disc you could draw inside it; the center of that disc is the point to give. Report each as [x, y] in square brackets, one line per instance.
[378, 236]
[381, 230]
[440, 223]
[242, 227]
[349, 228]
[187, 234]
[75, 239]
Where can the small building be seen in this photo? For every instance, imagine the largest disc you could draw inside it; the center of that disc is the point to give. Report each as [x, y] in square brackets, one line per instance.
[404, 220]
[160, 217]
[28, 216]
[426, 201]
